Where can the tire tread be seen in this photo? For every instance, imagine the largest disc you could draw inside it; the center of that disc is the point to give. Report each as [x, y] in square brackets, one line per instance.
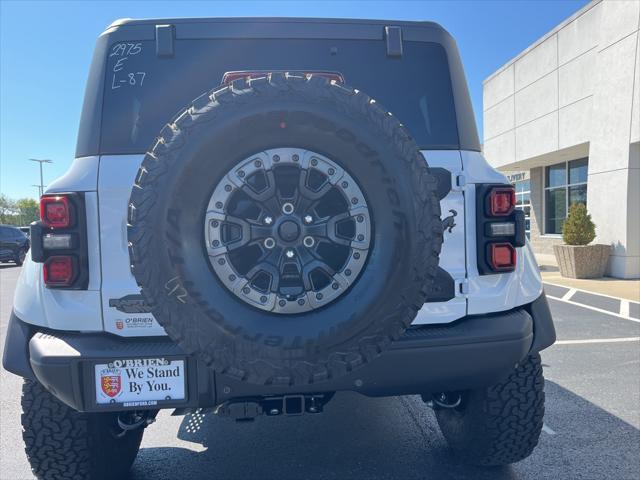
[63, 444]
[504, 423]
[352, 103]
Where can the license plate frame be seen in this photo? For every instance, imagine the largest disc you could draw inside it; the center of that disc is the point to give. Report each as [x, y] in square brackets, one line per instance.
[116, 394]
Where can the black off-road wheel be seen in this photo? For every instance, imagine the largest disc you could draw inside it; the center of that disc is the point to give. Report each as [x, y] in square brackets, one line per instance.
[285, 228]
[501, 424]
[63, 444]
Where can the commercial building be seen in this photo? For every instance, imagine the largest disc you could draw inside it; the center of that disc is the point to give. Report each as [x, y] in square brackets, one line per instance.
[563, 120]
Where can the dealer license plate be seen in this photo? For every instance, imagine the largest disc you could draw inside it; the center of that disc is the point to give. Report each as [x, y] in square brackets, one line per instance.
[140, 382]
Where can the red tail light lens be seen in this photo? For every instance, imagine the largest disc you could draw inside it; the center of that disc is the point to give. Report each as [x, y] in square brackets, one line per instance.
[502, 201]
[55, 212]
[231, 76]
[59, 271]
[502, 256]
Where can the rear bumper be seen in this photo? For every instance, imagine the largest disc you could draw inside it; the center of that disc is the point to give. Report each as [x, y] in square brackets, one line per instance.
[470, 353]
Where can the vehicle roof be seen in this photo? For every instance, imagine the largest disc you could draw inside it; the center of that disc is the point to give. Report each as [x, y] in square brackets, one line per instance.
[360, 21]
[281, 27]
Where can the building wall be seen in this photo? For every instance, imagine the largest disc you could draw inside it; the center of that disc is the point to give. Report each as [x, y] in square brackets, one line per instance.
[575, 93]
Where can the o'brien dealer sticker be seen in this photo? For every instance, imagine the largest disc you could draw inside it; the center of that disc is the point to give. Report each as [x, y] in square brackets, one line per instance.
[139, 382]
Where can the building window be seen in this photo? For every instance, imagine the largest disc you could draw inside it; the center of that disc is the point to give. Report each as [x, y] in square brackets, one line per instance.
[564, 185]
[523, 199]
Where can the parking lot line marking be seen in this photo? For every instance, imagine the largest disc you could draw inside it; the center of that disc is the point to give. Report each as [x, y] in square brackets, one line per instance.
[595, 309]
[624, 308]
[591, 292]
[569, 294]
[547, 429]
[598, 340]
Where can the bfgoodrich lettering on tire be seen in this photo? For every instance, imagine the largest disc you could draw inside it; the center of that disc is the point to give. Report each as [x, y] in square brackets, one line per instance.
[284, 228]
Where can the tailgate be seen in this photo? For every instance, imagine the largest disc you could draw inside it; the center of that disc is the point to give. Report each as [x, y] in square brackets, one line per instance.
[123, 311]
[449, 302]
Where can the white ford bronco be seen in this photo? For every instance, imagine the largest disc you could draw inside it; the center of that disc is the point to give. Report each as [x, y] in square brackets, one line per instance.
[261, 213]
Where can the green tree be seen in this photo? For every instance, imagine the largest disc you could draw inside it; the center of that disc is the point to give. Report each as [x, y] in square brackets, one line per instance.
[578, 229]
[28, 210]
[7, 210]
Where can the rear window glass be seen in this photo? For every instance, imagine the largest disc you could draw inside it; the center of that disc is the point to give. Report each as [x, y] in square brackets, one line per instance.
[143, 92]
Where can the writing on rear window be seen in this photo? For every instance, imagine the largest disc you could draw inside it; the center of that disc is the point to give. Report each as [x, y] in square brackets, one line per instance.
[144, 91]
[124, 72]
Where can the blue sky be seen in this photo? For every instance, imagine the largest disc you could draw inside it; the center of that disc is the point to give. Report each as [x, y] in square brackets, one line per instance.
[46, 47]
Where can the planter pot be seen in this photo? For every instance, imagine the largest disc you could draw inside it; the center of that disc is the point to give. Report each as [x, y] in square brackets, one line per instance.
[582, 261]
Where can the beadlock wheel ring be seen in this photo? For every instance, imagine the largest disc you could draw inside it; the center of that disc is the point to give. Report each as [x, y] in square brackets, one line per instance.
[251, 207]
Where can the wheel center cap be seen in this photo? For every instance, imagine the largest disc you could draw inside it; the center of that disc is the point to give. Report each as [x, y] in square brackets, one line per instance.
[289, 231]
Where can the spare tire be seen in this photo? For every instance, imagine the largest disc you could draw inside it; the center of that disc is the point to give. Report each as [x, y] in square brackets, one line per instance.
[285, 229]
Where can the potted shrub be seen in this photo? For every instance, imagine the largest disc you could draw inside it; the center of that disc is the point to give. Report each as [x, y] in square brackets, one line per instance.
[576, 258]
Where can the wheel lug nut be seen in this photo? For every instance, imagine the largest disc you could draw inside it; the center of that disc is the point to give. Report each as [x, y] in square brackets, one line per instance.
[288, 208]
[308, 242]
[290, 253]
[268, 220]
[269, 243]
[308, 219]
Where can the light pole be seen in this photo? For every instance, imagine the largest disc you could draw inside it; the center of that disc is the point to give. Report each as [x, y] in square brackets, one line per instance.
[41, 161]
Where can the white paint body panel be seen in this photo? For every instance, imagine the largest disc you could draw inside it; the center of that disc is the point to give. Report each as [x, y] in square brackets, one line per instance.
[504, 291]
[453, 255]
[107, 183]
[82, 176]
[78, 310]
[117, 174]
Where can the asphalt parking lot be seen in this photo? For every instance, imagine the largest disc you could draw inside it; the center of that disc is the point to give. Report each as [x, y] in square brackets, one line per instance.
[592, 423]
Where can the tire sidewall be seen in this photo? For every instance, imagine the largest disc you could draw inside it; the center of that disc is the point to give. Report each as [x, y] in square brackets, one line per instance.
[202, 162]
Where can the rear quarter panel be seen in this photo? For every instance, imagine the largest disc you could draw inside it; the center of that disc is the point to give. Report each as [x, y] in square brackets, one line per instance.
[74, 310]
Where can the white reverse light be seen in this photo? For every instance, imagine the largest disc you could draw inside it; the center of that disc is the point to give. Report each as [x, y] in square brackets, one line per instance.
[502, 229]
[57, 241]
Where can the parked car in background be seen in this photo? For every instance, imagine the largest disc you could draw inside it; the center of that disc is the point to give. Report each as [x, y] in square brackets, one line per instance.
[14, 245]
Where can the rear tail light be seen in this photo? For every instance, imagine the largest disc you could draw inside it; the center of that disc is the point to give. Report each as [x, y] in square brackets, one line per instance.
[59, 241]
[59, 271]
[502, 256]
[501, 201]
[500, 228]
[56, 212]
[231, 76]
